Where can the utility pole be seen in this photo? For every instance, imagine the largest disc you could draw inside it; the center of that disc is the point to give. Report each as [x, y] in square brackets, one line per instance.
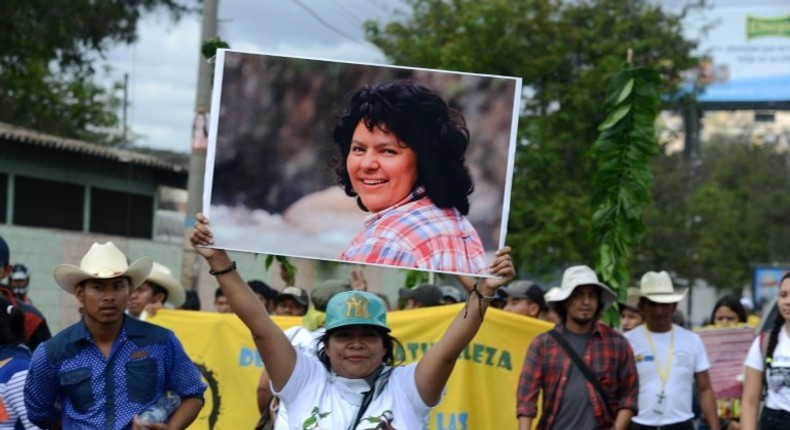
[197, 160]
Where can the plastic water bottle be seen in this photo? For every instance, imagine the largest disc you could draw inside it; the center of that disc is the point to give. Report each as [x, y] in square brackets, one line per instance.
[161, 410]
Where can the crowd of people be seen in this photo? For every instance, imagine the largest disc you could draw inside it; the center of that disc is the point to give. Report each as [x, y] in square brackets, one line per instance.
[402, 157]
[109, 368]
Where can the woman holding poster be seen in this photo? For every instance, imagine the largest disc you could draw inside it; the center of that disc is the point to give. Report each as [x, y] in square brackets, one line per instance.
[402, 150]
[353, 382]
[768, 365]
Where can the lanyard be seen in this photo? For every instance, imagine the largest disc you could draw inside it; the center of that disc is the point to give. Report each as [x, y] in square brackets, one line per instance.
[663, 374]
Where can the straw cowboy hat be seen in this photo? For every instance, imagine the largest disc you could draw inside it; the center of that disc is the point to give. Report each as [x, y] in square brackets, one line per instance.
[576, 276]
[162, 276]
[632, 298]
[102, 261]
[657, 287]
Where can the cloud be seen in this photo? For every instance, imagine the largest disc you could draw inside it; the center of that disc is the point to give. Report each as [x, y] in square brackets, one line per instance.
[162, 65]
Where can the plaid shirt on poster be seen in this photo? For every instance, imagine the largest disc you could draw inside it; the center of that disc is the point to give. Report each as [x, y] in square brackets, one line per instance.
[416, 233]
[607, 354]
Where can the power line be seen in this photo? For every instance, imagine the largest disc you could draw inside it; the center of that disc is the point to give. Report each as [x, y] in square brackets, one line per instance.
[347, 12]
[325, 23]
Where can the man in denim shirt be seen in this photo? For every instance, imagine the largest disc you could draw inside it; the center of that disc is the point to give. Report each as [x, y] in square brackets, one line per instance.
[105, 370]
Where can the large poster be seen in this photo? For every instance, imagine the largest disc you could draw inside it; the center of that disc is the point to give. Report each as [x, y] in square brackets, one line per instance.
[481, 392]
[727, 349]
[290, 171]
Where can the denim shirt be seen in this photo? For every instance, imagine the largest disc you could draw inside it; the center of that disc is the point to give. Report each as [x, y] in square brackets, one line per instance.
[95, 391]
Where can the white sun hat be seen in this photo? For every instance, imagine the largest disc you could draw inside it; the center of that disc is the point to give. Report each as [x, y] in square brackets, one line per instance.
[576, 276]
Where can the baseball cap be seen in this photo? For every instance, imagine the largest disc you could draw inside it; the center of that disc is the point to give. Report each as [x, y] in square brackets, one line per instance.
[296, 293]
[499, 295]
[425, 294]
[526, 290]
[19, 271]
[355, 308]
[452, 292]
[5, 254]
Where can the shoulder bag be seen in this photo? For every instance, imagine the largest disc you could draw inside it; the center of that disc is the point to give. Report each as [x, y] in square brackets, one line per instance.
[583, 367]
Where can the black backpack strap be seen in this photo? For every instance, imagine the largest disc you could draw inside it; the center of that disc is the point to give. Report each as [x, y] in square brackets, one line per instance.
[377, 383]
[583, 367]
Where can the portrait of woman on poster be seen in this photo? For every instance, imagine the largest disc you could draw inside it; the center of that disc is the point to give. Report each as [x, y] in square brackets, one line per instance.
[402, 157]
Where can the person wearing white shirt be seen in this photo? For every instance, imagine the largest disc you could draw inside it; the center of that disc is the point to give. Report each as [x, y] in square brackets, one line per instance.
[670, 361]
[354, 383]
[768, 365]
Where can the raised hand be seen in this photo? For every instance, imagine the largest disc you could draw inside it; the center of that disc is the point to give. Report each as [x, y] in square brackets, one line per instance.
[201, 237]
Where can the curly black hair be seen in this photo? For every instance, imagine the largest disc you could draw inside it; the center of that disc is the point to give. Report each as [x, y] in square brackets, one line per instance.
[425, 123]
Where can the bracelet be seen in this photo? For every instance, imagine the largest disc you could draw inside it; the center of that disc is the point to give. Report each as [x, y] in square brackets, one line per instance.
[480, 297]
[230, 268]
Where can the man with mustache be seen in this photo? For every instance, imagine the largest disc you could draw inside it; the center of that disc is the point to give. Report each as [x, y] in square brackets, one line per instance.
[607, 398]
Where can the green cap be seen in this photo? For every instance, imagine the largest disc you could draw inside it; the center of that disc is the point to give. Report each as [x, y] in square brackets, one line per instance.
[355, 308]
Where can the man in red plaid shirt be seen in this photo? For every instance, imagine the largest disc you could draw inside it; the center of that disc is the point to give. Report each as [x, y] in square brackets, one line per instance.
[570, 400]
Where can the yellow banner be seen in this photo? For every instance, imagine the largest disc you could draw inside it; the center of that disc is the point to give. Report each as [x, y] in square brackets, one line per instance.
[480, 394]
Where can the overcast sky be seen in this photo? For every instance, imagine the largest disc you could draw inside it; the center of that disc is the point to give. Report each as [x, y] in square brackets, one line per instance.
[162, 65]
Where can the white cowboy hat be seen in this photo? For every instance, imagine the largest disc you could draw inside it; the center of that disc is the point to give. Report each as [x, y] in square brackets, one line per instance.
[163, 277]
[576, 276]
[657, 287]
[102, 261]
[632, 296]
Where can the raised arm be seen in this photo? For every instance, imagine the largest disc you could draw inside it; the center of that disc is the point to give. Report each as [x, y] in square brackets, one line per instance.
[276, 351]
[437, 364]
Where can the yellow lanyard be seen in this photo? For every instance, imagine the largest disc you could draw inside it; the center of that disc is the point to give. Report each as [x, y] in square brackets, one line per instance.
[663, 374]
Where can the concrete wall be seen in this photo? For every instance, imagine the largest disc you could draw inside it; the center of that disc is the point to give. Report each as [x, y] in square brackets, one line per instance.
[43, 249]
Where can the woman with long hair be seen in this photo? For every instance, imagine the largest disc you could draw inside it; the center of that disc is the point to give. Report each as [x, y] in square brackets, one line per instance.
[768, 371]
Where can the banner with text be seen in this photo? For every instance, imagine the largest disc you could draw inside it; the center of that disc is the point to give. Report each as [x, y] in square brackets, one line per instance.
[480, 393]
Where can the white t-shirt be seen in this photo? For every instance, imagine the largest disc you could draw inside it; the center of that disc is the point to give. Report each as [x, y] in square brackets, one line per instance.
[305, 341]
[689, 358]
[332, 402]
[778, 393]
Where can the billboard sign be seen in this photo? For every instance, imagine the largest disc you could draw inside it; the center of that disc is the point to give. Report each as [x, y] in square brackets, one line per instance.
[744, 51]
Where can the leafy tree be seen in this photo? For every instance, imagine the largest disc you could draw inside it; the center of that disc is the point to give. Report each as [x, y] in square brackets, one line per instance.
[716, 219]
[565, 52]
[48, 58]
